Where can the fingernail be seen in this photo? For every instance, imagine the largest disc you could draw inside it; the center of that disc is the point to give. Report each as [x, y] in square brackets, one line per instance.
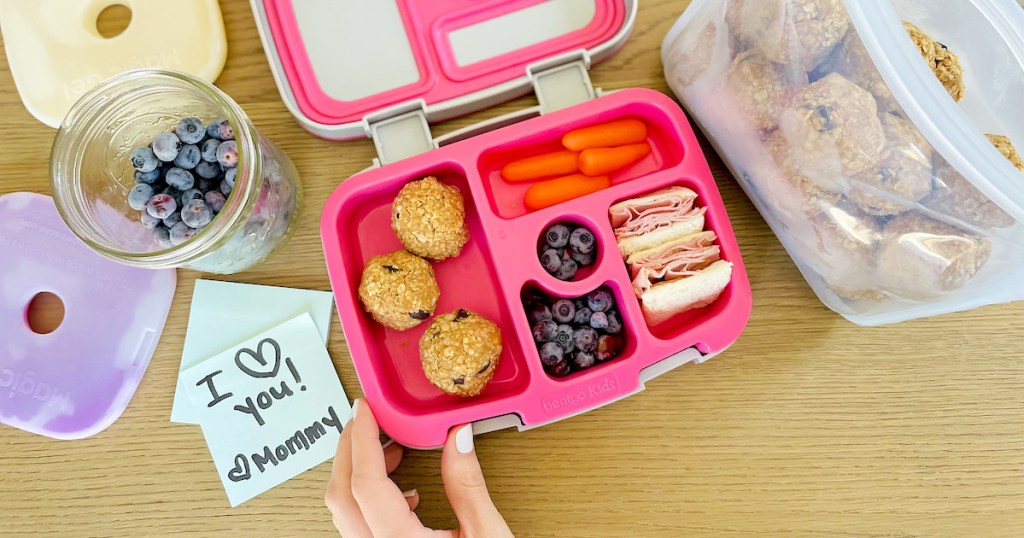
[388, 443]
[409, 493]
[355, 408]
[464, 439]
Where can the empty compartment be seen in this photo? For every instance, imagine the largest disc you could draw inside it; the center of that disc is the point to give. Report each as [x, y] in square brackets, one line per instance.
[507, 197]
[689, 253]
[592, 344]
[467, 281]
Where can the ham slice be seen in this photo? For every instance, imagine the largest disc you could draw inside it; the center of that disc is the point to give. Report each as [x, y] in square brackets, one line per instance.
[660, 209]
[672, 261]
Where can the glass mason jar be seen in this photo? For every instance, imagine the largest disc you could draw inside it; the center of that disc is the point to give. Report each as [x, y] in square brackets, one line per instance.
[91, 171]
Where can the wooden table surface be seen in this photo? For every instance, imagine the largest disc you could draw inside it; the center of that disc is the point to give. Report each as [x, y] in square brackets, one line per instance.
[807, 426]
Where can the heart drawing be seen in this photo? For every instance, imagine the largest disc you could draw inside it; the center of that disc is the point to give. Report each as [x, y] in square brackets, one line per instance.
[241, 469]
[267, 367]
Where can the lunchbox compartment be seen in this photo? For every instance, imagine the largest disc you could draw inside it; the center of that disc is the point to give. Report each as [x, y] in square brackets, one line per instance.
[584, 272]
[628, 334]
[466, 281]
[691, 320]
[506, 198]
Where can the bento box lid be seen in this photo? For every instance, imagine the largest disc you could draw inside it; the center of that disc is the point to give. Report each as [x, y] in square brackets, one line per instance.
[341, 66]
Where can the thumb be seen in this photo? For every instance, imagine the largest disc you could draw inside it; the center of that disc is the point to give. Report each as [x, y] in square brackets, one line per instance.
[467, 492]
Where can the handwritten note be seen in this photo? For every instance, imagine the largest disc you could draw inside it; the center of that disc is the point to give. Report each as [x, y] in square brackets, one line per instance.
[225, 313]
[271, 407]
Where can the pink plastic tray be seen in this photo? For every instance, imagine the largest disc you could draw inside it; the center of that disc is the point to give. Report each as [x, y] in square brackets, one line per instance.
[428, 26]
[500, 262]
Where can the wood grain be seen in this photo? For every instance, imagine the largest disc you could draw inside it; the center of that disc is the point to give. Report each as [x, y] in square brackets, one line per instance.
[808, 426]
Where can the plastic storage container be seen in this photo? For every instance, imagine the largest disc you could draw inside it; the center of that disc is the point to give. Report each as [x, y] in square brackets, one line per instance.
[91, 171]
[523, 45]
[883, 189]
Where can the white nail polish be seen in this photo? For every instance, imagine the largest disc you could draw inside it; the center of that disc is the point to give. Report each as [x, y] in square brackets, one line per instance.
[464, 439]
[355, 408]
[409, 493]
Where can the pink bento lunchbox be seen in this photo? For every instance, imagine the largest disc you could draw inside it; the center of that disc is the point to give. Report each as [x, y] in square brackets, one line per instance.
[386, 69]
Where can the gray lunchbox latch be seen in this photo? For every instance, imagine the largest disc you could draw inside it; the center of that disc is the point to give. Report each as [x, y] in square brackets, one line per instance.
[400, 131]
[562, 81]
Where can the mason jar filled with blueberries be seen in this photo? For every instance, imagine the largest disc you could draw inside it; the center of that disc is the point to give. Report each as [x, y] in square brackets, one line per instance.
[160, 169]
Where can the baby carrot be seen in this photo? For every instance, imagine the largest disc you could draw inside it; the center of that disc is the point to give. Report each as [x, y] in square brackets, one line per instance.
[557, 163]
[598, 161]
[555, 191]
[603, 135]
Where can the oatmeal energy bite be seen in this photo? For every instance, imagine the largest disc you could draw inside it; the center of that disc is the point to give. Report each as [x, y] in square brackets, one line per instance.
[429, 218]
[800, 33]
[460, 351]
[399, 290]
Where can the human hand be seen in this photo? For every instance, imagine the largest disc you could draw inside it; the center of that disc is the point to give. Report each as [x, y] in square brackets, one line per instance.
[365, 503]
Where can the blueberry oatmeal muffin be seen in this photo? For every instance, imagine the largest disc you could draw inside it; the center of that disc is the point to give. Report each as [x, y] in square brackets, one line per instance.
[942, 61]
[460, 352]
[834, 120]
[920, 257]
[756, 85]
[902, 177]
[954, 195]
[796, 32]
[399, 290]
[429, 218]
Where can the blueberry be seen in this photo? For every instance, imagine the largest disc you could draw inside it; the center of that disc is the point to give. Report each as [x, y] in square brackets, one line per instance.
[550, 260]
[551, 354]
[567, 271]
[538, 312]
[583, 360]
[190, 130]
[608, 347]
[172, 219]
[583, 259]
[544, 331]
[227, 154]
[148, 221]
[580, 302]
[225, 187]
[182, 180]
[161, 205]
[147, 177]
[599, 320]
[208, 150]
[599, 300]
[166, 146]
[614, 323]
[191, 194]
[188, 157]
[162, 236]
[585, 339]
[564, 338]
[205, 185]
[139, 195]
[229, 176]
[557, 235]
[215, 200]
[144, 160]
[221, 130]
[563, 311]
[582, 240]
[173, 193]
[582, 316]
[181, 233]
[560, 370]
[196, 214]
[207, 170]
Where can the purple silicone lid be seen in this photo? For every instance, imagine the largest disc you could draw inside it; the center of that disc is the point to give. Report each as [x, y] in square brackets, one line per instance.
[75, 381]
